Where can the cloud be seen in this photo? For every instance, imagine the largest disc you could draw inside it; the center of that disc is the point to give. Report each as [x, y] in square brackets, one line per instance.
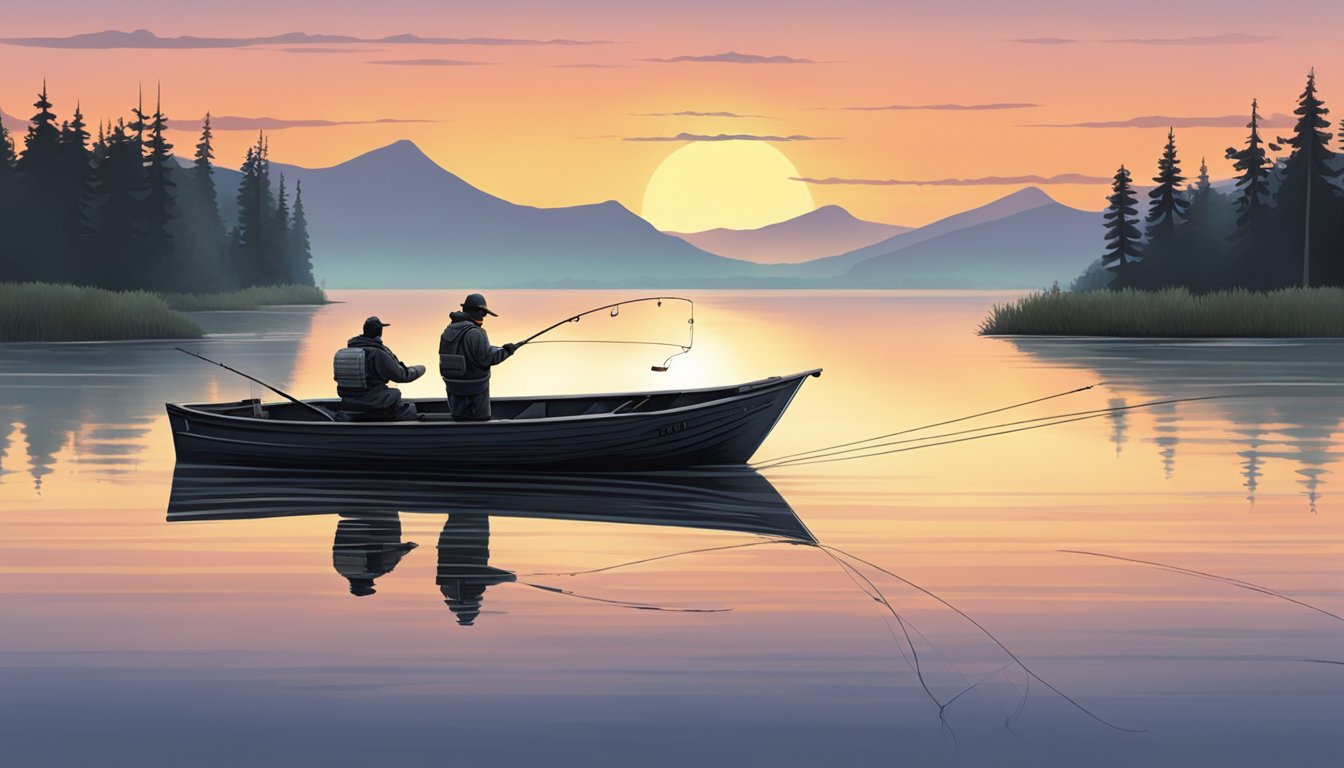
[984, 181]
[733, 57]
[236, 123]
[689, 113]
[1229, 39]
[322, 50]
[944, 107]
[429, 63]
[727, 137]
[143, 38]
[590, 66]
[1044, 40]
[1168, 121]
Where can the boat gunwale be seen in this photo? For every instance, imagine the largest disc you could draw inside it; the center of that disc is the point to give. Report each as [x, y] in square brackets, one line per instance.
[197, 409]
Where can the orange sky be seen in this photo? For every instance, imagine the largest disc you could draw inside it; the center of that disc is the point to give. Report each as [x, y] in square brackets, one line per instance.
[523, 126]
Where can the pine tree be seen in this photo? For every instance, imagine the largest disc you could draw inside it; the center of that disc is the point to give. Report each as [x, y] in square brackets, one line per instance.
[72, 177]
[161, 271]
[10, 268]
[120, 212]
[1253, 249]
[280, 234]
[198, 232]
[1165, 261]
[44, 237]
[1208, 220]
[1307, 199]
[254, 251]
[42, 144]
[300, 250]
[1122, 234]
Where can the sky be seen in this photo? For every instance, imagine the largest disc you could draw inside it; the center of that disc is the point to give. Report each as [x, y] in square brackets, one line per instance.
[1044, 93]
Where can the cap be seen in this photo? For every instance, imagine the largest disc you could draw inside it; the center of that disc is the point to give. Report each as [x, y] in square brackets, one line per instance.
[374, 324]
[477, 301]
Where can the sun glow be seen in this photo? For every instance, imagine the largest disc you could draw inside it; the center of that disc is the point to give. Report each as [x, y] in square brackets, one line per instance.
[733, 184]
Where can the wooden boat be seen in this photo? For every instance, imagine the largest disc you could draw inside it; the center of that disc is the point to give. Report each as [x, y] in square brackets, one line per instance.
[682, 428]
[735, 499]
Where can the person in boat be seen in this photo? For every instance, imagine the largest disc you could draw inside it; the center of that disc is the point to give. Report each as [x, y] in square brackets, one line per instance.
[367, 545]
[465, 360]
[363, 370]
[464, 565]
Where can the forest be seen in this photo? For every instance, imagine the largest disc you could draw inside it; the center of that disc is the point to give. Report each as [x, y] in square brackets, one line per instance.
[1281, 225]
[119, 210]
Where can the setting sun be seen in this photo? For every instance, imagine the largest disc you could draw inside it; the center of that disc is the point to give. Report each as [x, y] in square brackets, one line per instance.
[732, 184]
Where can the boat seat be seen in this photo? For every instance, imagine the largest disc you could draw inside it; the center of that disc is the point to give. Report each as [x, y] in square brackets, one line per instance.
[536, 410]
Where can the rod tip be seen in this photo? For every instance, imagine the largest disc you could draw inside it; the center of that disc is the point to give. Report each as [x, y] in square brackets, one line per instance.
[658, 368]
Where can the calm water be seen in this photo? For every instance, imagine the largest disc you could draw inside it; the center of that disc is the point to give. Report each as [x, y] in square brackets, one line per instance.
[127, 638]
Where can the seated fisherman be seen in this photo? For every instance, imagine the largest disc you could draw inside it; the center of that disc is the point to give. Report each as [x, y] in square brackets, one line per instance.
[465, 359]
[364, 368]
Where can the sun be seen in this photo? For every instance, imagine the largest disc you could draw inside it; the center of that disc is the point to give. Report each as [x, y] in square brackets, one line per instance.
[732, 184]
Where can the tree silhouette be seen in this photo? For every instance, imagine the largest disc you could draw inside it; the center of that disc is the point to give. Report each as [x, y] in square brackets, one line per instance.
[198, 231]
[160, 270]
[10, 253]
[1252, 236]
[1209, 218]
[1165, 261]
[1307, 199]
[300, 250]
[44, 198]
[1122, 235]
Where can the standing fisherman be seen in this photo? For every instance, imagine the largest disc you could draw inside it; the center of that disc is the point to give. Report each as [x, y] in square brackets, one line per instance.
[362, 371]
[465, 359]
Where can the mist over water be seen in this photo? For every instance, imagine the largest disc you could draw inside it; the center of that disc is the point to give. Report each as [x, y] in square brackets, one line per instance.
[132, 635]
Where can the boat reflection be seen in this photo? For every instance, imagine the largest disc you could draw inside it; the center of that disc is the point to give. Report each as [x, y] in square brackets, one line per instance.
[368, 542]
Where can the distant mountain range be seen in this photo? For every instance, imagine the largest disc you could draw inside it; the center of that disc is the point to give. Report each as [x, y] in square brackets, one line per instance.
[826, 231]
[393, 218]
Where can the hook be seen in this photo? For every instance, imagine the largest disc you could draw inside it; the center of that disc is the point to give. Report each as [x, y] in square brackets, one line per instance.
[616, 310]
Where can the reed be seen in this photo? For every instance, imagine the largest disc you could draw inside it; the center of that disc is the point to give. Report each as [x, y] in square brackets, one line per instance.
[248, 298]
[1172, 313]
[51, 312]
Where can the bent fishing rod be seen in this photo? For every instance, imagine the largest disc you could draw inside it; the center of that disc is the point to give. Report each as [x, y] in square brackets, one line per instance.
[615, 311]
[276, 390]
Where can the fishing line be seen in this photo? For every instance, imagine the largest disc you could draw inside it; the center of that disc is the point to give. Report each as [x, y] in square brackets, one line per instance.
[987, 634]
[1211, 577]
[847, 455]
[968, 431]
[665, 557]
[615, 311]
[936, 424]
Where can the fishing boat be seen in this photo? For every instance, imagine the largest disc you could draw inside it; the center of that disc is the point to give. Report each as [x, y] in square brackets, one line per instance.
[732, 499]
[637, 430]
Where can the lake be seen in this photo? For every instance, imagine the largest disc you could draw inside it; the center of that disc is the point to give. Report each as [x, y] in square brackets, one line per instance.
[951, 618]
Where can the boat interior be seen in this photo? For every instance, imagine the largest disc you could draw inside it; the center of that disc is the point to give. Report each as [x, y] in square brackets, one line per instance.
[502, 409]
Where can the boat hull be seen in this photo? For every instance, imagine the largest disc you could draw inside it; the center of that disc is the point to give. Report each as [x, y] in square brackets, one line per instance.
[716, 431]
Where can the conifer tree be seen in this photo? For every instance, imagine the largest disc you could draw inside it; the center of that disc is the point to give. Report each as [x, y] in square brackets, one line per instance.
[198, 232]
[1308, 199]
[44, 238]
[42, 144]
[1122, 234]
[9, 221]
[300, 250]
[1165, 262]
[1253, 251]
[1208, 220]
[280, 233]
[161, 270]
[121, 231]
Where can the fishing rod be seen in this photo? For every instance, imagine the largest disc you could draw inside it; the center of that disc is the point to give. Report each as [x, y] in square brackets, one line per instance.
[616, 311]
[276, 390]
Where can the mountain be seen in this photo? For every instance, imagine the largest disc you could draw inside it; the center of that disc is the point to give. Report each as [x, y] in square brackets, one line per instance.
[1027, 249]
[1024, 199]
[827, 230]
[392, 218]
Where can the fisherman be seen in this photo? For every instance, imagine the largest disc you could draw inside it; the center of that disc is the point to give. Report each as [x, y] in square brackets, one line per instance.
[362, 371]
[464, 569]
[465, 359]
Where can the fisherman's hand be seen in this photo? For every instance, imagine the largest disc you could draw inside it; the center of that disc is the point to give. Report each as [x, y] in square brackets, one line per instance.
[416, 371]
[510, 348]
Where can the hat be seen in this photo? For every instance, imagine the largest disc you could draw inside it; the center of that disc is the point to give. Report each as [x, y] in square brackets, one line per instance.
[476, 301]
[373, 326]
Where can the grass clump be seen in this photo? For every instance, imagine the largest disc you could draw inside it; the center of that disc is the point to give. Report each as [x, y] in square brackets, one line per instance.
[248, 298]
[1172, 313]
[50, 312]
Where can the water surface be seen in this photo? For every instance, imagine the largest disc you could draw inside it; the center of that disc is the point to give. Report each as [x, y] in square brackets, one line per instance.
[128, 638]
